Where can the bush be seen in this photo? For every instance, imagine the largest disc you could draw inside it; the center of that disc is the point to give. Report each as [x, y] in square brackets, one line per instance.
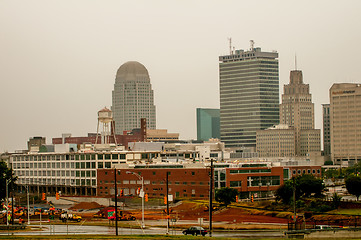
[328, 162]
[300, 204]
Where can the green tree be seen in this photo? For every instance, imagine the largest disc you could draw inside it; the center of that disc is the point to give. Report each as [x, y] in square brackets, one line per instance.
[353, 185]
[336, 200]
[285, 192]
[309, 184]
[6, 175]
[328, 162]
[332, 173]
[226, 195]
[306, 185]
[354, 170]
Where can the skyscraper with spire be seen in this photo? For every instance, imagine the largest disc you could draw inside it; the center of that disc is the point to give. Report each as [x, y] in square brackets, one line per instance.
[296, 134]
[297, 111]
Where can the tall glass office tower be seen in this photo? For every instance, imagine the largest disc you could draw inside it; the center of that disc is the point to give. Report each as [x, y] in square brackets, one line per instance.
[249, 95]
[132, 98]
[207, 124]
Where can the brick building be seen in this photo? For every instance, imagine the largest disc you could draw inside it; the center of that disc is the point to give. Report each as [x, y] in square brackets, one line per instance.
[124, 139]
[182, 182]
[193, 182]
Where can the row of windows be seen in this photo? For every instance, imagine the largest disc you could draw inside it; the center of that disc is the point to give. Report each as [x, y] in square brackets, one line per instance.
[53, 173]
[53, 165]
[58, 181]
[69, 157]
[259, 181]
[147, 182]
[304, 171]
[250, 171]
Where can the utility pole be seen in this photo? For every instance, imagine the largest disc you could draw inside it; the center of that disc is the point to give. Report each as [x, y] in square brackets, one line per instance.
[167, 204]
[27, 188]
[116, 200]
[210, 198]
[7, 203]
[142, 193]
[12, 208]
[294, 201]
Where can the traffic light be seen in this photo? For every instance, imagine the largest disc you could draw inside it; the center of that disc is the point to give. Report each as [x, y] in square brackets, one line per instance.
[252, 198]
[165, 200]
[138, 191]
[237, 198]
[121, 193]
[43, 197]
[146, 197]
[57, 196]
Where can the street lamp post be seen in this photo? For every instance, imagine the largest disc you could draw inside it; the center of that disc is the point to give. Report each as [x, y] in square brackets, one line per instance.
[116, 201]
[211, 179]
[142, 193]
[7, 202]
[27, 193]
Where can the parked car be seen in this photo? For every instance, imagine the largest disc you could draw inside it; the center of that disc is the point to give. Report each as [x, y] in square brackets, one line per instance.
[195, 231]
[323, 227]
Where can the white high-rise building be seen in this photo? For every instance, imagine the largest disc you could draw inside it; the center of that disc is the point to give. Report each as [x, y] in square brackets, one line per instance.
[133, 98]
[249, 95]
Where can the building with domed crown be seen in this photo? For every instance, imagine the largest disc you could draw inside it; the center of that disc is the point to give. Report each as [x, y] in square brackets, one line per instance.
[132, 98]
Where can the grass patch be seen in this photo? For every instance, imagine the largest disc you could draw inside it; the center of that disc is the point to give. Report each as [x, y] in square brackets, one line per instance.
[347, 211]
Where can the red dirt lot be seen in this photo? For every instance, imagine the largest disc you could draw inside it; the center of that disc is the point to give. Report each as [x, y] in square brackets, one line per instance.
[192, 211]
[239, 215]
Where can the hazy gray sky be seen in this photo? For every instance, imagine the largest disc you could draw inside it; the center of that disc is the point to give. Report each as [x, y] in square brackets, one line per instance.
[58, 59]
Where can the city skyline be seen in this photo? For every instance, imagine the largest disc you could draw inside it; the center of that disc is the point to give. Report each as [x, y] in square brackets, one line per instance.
[59, 58]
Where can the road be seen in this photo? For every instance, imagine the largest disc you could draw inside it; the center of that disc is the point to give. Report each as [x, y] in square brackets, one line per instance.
[105, 230]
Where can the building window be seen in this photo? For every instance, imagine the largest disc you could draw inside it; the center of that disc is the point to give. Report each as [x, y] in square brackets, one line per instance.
[235, 184]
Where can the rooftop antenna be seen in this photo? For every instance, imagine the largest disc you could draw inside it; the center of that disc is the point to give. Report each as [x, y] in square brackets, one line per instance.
[230, 45]
[252, 44]
[295, 61]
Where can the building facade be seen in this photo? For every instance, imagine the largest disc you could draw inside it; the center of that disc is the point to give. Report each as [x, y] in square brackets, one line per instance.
[208, 124]
[72, 173]
[35, 143]
[345, 123]
[326, 129]
[249, 95]
[276, 141]
[191, 180]
[94, 174]
[161, 135]
[133, 136]
[132, 98]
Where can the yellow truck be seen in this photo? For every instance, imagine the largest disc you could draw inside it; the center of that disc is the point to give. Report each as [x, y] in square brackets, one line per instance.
[70, 217]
